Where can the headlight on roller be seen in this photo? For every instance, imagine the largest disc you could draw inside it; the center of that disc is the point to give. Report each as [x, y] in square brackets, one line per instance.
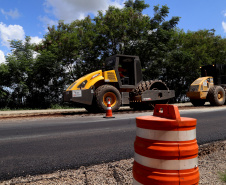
[83, 84]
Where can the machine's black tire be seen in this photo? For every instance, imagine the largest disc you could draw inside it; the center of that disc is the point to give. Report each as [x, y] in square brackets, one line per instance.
[143, 86]
[157, 85]
[197, 103]
[216, 96]
[148, 85]
[105, 92]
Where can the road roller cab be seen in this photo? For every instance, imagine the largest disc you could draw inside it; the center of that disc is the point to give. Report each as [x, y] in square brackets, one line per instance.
[127, 71]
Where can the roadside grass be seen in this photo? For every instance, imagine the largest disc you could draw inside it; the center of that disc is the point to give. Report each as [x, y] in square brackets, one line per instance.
[5, 109]
[57, 106]
[15, 109]
[52, 106]
[223, 176]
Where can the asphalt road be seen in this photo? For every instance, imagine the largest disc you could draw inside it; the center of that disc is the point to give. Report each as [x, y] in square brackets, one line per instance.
[42, 146]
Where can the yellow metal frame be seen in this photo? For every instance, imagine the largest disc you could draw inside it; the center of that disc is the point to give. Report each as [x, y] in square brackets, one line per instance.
[91, 78]
[204, 84]
[111, 74]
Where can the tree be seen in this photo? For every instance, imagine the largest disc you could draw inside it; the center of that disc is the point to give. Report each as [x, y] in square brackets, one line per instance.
[137, 5]
[82, 46]
[158, 43]
[4, 82]
[189, 51]
[119, 29]
[18, 70]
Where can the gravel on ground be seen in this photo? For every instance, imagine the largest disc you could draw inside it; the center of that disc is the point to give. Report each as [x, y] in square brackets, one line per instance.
[212, 162]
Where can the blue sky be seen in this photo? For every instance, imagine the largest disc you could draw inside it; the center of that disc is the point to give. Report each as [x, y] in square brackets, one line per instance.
[20, 18]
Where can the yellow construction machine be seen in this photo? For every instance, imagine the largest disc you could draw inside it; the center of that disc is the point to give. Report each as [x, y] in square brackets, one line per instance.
[121, 82]
[210, 87]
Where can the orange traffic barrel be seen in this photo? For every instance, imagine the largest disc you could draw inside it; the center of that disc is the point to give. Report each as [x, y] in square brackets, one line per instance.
[166, 149]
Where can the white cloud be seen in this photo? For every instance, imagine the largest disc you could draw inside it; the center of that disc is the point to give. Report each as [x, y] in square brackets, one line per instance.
[12, 13]
[117, 3]
[2, 57]
[35, 40]
[224, 26]
[47, 21]
[11, 32]
[224, 13]
[70, 10]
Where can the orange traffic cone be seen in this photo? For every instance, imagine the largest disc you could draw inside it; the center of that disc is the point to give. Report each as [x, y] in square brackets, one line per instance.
[109, 110]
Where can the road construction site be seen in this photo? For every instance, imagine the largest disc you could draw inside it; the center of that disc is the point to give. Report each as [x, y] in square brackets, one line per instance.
[211, 154]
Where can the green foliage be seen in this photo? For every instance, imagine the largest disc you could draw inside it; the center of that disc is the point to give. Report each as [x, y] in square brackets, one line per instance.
[223, 176]
[137, 5]
[178, 59]
[17, 74]
[119, 30]
[157, 45]
[5, 109]
[4, 77]
[60, 106]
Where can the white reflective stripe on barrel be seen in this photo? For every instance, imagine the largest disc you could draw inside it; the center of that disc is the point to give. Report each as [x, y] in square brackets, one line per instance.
[135, 182]
[166, 164]
[166, 135]
[108, 108]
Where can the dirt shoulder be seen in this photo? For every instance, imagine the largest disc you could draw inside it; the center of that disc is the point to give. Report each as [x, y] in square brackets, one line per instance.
[14, 114]
[212, 161]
